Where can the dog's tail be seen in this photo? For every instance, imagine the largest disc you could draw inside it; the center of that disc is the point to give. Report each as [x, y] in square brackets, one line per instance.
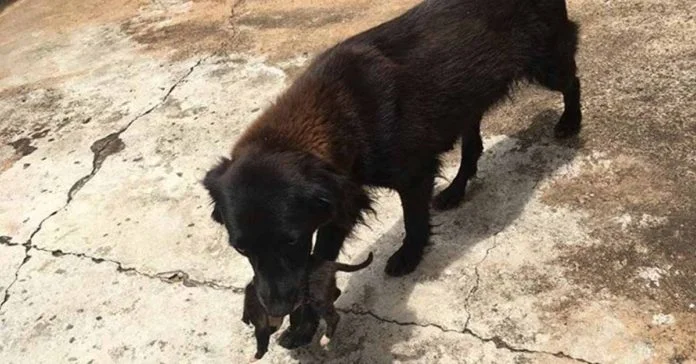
[352, 268]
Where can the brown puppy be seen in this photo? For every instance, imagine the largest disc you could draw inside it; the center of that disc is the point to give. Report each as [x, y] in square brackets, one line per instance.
[378, 110]
[321, 293]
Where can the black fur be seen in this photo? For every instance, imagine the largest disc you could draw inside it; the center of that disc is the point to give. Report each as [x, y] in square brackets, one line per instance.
[378, 110]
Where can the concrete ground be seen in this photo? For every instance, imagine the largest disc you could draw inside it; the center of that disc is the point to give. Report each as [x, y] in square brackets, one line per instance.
[565, 252]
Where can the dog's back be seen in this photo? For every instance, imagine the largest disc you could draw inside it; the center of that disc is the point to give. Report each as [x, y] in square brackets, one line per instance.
[409, 87]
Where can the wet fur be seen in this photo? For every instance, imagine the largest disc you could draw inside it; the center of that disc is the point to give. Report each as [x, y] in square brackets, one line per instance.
[379, 109]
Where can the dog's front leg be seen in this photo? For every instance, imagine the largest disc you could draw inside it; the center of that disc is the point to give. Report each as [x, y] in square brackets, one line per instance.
[415, 200]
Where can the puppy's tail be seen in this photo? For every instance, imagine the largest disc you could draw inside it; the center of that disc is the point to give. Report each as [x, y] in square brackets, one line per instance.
[352, 268]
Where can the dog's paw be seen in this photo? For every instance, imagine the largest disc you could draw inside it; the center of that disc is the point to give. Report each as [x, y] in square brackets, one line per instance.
[257, 356]
[448, 199]
[325, 340]
[403, 262]
[568, 126]
[294, 339]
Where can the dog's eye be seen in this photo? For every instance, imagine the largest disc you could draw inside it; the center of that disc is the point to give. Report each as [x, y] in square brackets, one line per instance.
[290, 241]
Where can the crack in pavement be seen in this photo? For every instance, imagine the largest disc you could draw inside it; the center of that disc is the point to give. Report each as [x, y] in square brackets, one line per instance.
[496, 340]
[478, 277]
[112, 143]
[502, 344]
[6, 294]
[171, 277]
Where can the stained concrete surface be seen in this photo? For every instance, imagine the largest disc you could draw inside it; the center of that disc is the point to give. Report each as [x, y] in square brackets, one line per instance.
[110, 112]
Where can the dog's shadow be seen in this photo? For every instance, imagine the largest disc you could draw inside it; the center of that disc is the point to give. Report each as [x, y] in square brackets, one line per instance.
[379, 312]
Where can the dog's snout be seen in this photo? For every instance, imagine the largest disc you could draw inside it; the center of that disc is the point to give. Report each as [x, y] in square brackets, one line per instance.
[277, 302]
[278, 308]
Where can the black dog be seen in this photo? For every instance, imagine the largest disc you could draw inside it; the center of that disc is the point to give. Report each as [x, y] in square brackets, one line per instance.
[378, 109]
[321, 292]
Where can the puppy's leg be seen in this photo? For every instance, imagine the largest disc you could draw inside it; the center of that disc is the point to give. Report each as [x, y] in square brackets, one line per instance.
[331, 317]
[303, 324]
[472, 147]
[415, 200]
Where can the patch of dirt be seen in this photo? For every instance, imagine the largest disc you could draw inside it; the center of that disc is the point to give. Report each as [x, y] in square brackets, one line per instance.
[643, 216]
[204, 27]
[298, 19]
[5, 3]
[287, 29]
[183, 39]
[16, 102]
[675, 339]
[62, 16]
[23, 147]
[533, 281]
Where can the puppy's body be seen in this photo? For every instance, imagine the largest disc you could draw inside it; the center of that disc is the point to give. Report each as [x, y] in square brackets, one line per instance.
[264, 325]
[378, 110]
[322, 290]
[321, 293]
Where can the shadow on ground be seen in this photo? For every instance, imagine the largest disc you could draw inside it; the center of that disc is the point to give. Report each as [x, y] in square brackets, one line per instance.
[510, 171]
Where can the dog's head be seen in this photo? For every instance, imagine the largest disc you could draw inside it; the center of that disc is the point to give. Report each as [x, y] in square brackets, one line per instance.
[271, 204]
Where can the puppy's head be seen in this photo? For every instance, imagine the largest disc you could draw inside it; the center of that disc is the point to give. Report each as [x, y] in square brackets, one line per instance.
[271, 204]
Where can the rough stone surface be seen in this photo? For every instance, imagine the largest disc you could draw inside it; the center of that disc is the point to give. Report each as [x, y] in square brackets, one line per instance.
[111, 111]
[119, 318]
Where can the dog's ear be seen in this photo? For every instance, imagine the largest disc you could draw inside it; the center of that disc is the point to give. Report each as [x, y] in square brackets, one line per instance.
[211, 183]
[210, 179]
[333, 196]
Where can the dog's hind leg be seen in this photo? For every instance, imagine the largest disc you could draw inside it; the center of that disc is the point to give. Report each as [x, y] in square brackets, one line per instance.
[472, 147]
[557, 71]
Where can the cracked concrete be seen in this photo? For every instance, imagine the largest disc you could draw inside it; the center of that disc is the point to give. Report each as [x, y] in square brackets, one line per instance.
[562, 253]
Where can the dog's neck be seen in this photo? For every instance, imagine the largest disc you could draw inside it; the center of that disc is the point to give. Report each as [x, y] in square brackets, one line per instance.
[296, 121]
